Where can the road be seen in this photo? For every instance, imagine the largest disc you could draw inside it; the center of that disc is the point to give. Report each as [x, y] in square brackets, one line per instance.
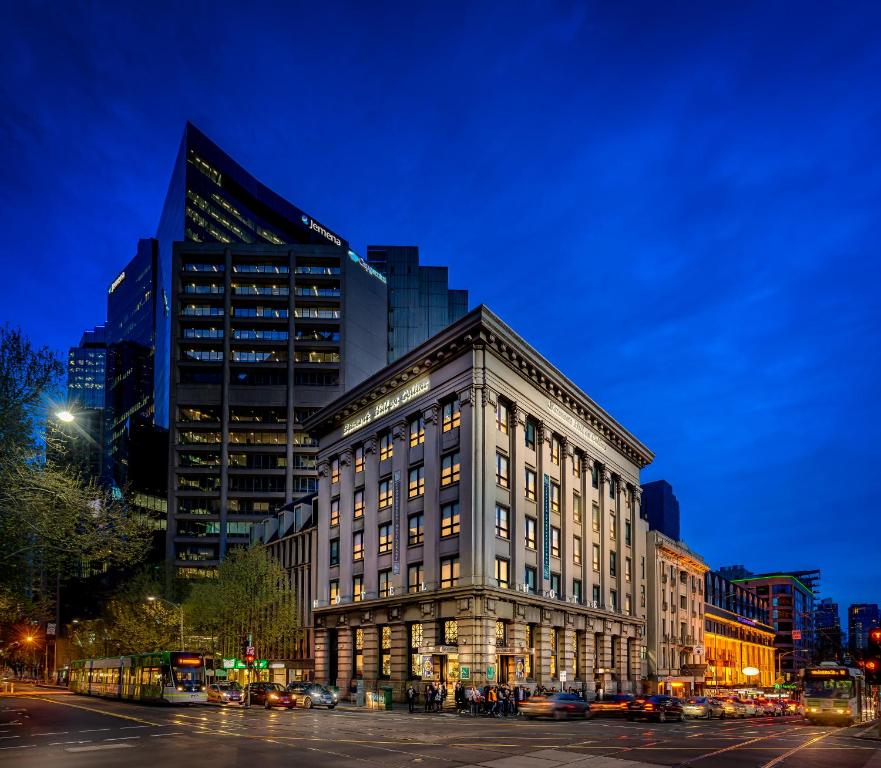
[40, 729]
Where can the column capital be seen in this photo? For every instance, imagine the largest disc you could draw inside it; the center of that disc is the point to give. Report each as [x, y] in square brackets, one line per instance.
[399, 430]
[346, 458]
[370, 444]
[431, 414]
[605, 476]
[544, 432]
[323, 468]
[467, 395]
[490, 397]
[518, 416]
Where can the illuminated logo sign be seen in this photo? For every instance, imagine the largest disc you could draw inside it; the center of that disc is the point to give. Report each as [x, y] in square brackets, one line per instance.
[749, 622]
[115, 284]
[316, 227]
[387, 406]
[366, 267]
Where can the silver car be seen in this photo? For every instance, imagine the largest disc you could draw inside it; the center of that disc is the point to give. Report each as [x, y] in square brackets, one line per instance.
[704, 707]
[310, 695]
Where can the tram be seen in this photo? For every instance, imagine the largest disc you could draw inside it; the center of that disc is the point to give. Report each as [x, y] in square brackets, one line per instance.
[836, 694]
[171, 677]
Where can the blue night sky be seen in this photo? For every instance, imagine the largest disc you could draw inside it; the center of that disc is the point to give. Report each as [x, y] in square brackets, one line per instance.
[678, 204]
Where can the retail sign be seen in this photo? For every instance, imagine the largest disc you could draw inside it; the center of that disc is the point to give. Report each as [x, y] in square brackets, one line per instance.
[546, 528]
[520, 667]
[578, 425]
[427, 667]
[386, 406]
[464, 673]
[396, 523]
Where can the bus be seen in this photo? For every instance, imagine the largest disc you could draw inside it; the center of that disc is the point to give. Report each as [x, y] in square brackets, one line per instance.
[832, 693]
[171, 677]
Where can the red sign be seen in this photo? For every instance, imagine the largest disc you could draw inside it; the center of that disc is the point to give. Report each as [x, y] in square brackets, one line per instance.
[796, 634]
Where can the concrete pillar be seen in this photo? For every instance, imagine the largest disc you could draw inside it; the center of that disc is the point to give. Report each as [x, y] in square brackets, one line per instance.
[344, 658]
[542, 669]
[371, 655]
[321, 655]
[567, 655]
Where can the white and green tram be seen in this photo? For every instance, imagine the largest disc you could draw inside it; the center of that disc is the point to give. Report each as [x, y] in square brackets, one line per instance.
[832, 693]
[172, 677]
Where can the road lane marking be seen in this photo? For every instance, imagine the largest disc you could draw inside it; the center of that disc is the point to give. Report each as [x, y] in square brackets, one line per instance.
[96, 710]
[780, 758]
[173, 733]
[97, 747]
[20, 746]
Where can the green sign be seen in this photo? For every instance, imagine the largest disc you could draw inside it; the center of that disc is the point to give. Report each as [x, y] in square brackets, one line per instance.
[240, 664]
[490, 673]
[464, 673]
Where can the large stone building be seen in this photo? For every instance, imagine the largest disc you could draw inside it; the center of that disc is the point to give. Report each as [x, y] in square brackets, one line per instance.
[479, 519]
[675, 631]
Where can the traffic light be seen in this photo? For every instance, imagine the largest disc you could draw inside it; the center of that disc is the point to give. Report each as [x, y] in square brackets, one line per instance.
[873, 657]
[249, 658]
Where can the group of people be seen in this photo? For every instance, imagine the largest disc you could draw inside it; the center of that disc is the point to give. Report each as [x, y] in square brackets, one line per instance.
[434, 696]
[490, 700]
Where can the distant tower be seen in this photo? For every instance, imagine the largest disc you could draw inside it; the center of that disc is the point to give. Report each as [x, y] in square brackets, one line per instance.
[661, 506]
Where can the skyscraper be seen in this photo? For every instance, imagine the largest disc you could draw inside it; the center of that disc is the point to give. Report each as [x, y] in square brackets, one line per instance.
[661, 507]
[861, 618]
[828, 626]
[86, 364]
[420, 301]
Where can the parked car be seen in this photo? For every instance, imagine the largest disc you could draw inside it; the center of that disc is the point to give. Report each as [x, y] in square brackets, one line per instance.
[556, 705]
[270, 695]
[751, 709]
[613, 706]
[765, 706]
[733, 707]
[658, 707]
[310, 695]
[225, 693]
[704, 707]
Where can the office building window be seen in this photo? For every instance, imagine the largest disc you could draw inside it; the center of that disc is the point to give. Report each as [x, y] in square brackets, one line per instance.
[628, 569]
[501, 470]
[358, 652]
[451, 414]
[385, 582]
[555, 497]
[555, 450]
[595, 475]
[595, 517]
[386, 446]
[334, 512]
[553, 654]
[555, 542]
[576, 589]
[334, 591]
[613, 599]
[628, 605]
[502, 572]
[529, 435]
[415, 577]
[449, 572]
[576, 509]
[501, 632]
[417, 482]
[385, 652]
[529, 486]
[530, 525]
[576, 550]
[531, 578]
[358, 503]
[595, 593]
[417, 431]
[642, 566]
[357, 588]
[450, 632]
[358, 545]
[628, 533]
[576, 464]
[613, 526]
[613, 563]
[335, 471]
[416, 529]
[385, 538]
[596, 557]
[385, 493]
[359, 458]
[502, 516]
[613, 485]
[450, 519]
[555, 585]
[334, 551]
[415, 636]
[502, 417]
[450, 469]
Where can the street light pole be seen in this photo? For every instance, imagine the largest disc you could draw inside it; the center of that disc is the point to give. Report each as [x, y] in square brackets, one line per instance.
[180, 608]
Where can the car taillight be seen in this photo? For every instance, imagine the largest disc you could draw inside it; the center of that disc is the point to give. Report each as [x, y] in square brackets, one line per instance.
[649, 706]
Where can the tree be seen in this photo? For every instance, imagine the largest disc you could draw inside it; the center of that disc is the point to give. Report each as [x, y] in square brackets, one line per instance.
[139, 625]
[252, 594]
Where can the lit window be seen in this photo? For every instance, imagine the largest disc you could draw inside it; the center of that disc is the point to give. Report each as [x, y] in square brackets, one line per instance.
[334, 590]
[628, 605]
[555, 450]
[335, 471]
[385, 538]
[450, 469]
[417, 482]
[415, 577]
[451, 415]
[385, 493]
[357, 588]
[628, 570]
[359, 503]
[385, 583]
[359, 458]
[595, 511]
[450, 519]
[502, 572]
[334, 512]
[416, 525]
[502, 470]
[555, 497]
[417, 431]
[451, 632]
[386, 446]
[529, 487]
[596, 557]
[530, 532]
[555, 542]
[449, 572]
[502, 417]
[576, 550]
[358, 545]
[576, 509]
[502, 516]
[576, 464]
[613, 526]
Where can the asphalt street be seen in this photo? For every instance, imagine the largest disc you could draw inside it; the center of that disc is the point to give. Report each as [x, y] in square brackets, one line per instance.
[41, 728]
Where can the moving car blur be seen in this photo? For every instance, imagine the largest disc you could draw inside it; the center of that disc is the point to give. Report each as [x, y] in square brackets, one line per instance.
[270, 695]
[705, 707]
[658, 707]
[225, 693]
[613, 706]
[556, 705]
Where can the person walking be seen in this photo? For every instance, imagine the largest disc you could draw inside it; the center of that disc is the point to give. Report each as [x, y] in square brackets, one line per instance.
[411, 699]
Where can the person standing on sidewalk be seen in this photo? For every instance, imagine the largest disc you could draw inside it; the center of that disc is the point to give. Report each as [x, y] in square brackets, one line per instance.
[411, 699]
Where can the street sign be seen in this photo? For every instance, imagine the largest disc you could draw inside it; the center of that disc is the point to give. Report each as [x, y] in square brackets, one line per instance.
[698, 649]
[490, 672]
[249, 651]
[796, 634]
[464, 673]
[50, 629]
[562, 676]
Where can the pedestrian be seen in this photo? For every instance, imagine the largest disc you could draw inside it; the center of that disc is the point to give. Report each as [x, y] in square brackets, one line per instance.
[411, 698]
[429, 696]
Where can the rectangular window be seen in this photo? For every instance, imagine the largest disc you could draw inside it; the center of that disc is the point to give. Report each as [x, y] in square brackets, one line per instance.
[555, 497]
[595, 593]
[385, 493]
[555, 450]
[450, 519]
[359, 503]
[595, 517]
[502, 417]
[529, 486]
[385, 652]
[335, 471]
[449, 572]
[529, 434]
[555, 542]
[334, 512]
[555, 585]
[531, 579]
[576, 464]
[386, 446]
[334, 551]
[530, 532]
[450, 469]
[628, 569]
[417, 431]
[613, 599]
[628, 533]
[613, 526]
[502, 572]
[385, 583]
[642, 566]
[595, 475]
[385, 538]
[628, 604]
[502, 516]
[359, 458]
[334, 591]
[576, 589]
[415, 577]
[682, 601]
[613, 563]
[357, 588]
[576, 509]
[417, 482]
[576, 550]
[612, 485]
[451, 414]
[502, 470]
[596, 557]
[416, 525]
[358, 545]
[642, 595]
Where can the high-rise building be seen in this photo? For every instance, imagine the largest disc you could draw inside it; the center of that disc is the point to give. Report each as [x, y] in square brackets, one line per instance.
[420, 301]
[827, 623]
[86, 365]
[478, 519]
[662, 508]
[263, 336]
[861, 618]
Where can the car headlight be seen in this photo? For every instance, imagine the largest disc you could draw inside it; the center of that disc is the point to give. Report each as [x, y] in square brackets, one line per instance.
[273, 695]
[180, 687]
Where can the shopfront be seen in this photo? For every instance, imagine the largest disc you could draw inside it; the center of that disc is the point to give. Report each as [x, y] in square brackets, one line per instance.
[440, 663]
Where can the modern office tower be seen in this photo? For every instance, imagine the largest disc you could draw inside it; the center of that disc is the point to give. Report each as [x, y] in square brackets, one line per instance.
[861, 618]
[675, 616]
[791, 605]
[478, 520]
[737, 635]
[262, 337]
[420, 301]
[212, 199]
[661, 507]
[86, 365]
[827, 623]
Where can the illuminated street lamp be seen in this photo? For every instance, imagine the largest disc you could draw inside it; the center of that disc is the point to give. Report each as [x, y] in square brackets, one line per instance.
[180, 608]
[750, 672]
[65, 416]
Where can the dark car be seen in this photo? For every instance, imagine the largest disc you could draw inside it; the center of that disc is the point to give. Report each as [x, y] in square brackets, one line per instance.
[613, 706]
[659, 707]
[556, 705]
[310, 695]
[270, 695]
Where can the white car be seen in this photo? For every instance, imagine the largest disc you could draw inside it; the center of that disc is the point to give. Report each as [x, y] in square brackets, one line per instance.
[750, 708]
